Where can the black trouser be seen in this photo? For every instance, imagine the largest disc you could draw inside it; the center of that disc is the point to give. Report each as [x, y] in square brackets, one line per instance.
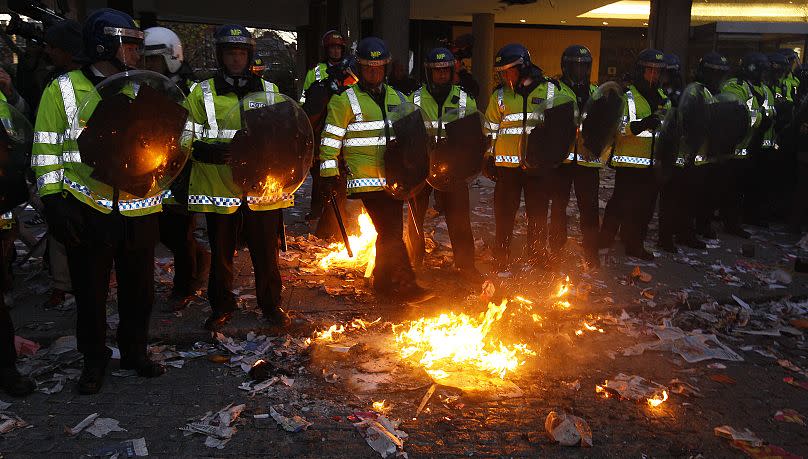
[317, 201]
[755, 187]
[511, 181]
[800, 203]
[586, 181]
[393, 270]
[177, 233]
[779, 183]
[128, 243]
[706, 183]
[679, 204]
[8, 352]
[456, 208]
[732, 175]
[260, 230]
[631, 206]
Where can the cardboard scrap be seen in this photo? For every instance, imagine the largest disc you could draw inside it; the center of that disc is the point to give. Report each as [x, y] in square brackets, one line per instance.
[568, 430]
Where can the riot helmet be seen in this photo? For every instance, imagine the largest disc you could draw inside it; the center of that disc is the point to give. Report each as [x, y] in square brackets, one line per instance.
[166, 45]
[752, 67]
[712, 71]
[373, 58]
[576, 65]
[234, 37]
[648, 68]
[334, 46]
[111, 35]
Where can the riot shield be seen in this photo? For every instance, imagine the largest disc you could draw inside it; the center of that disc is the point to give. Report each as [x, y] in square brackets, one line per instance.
[693, 115]
[406, 158]
[457, 155]
[133, 136]
[273, 146]
[730, 123]
[551, 130]
[665, 146]
[16, 137]
[600, 123]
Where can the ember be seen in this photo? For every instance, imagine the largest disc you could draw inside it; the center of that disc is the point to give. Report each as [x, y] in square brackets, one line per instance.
[454, 342]
[363, 245]
[657, 400]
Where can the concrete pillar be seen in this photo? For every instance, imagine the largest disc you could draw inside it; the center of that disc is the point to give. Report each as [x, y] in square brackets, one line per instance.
[317, 28]
[391, 23]
[350, 20]
[482, 56]
[669, 27]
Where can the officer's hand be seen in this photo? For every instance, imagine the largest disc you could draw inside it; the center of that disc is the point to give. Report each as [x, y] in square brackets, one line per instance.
[6, 85]
[649, 123]
[328, 186]
[490, 169]
[64, 222]
[212, 153]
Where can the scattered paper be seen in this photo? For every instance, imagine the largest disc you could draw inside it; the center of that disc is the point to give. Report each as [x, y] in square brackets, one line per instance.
[103, 426]
[86, 422]
[568, 430]
[745, 435]
[129, 448]
[789, 415]
[381, 434]
[289, 423]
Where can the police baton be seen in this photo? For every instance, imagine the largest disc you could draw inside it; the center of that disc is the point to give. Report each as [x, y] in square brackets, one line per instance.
[335, 206]
[282, 233]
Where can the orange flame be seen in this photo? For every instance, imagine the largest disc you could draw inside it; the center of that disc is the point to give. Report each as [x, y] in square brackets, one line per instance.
[363, 246]
[657, 400]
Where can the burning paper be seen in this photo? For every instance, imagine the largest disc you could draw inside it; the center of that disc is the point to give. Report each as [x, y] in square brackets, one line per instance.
[363, 246]
[633, 388]
[453, 342]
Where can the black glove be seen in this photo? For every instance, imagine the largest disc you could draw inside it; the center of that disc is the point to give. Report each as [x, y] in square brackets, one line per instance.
[490, 169]
[212, 153]
[65, 222]
[765, 123]
[328, 186]
[648, 123]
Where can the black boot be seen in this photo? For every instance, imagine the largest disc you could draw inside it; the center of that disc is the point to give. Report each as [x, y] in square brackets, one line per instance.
[15, 384]
[144, 367]
[92, 375]
[217, 320]
[276, 317]
[639, 251]
[692, 242]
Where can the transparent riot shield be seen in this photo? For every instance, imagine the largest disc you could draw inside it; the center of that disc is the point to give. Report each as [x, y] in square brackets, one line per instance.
[16, 137]
[406, 158]
[131, 136]
[730, 122]
[456, 156]
[600, 122]
[272, 146]
[665, 146]
[550, 132]
[694, 117]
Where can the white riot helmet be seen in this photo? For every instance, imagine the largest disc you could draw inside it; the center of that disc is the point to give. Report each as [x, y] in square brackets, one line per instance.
[160, 41]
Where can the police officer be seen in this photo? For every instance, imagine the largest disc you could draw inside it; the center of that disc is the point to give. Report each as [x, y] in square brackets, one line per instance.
[779, 169]
[11, 381]
[97, 232]
[792, 82]
[258, 66]
[163, 54]
[231, 216]
[437, 97]
[712, 70]
[340, 77]
[736, 174]
[357, 126]
[635, 190]
[799, 127]
[522, 90]
[584, 174]
[334, 46]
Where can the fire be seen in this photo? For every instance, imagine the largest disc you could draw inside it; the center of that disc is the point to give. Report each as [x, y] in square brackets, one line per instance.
[363, 246]
[333, 332]
[563, 290]
[657, 400]
[381, 407]
[602, 390]
[453, 342]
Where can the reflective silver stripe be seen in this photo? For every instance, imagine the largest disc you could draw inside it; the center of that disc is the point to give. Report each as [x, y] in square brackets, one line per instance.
[431, 124]
[680, 161]
[317, 72]
[550, 94]
[270, 91]
[329, 142]
[365, 182]
[218, 201]
[491, 126]
[210, 107]
[741, 152]
[507, 159]
[632, 160]
[7, 216]
[71, 156]
[513, 130]
[68, 97]
[188, 132]
[50, 178]
[494, 136]
[335, 130]
[700, 159]
[45, 160]
[227, 133]
[416, 98]
[328, 164]
[571, 157]
[461, 105]
[50, 138]
[632, 115]
[520, 116]
[749, 102]
[366, 141]
[500, 98]
[355, 107]
[368, 126]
